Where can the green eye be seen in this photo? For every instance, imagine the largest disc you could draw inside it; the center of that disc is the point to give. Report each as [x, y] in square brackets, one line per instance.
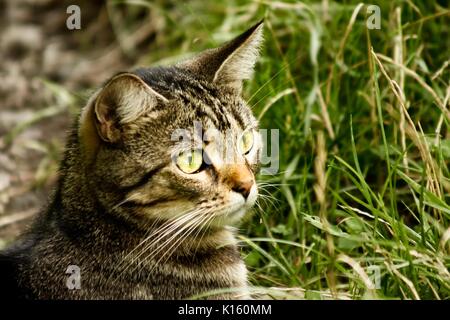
[190, 161]
[246, 142]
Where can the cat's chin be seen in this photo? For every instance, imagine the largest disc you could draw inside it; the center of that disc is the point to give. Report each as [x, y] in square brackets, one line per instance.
[230, 216]
[233, 214]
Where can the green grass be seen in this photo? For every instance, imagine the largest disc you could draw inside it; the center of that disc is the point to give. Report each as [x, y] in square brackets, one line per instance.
[363, 188]
[363, 117]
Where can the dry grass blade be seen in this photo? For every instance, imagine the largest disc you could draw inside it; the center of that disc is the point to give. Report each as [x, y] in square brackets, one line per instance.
[419, 140]
[16, 217]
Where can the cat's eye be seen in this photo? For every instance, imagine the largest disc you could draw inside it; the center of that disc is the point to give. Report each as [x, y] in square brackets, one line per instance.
[190, 161]
[245, 143]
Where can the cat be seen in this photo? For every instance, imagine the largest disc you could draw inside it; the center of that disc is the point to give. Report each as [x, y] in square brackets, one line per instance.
[137, 214]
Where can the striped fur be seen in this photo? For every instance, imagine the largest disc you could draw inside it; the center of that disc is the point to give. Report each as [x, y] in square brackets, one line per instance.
[136, 225]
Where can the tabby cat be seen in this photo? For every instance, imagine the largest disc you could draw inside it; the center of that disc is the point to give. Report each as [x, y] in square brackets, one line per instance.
[137, 213]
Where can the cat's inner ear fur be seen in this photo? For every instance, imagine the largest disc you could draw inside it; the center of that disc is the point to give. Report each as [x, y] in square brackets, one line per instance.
[122, 100]
[232, 62]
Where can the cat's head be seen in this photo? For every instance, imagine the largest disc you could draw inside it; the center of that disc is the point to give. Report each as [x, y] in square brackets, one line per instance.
[176, 142]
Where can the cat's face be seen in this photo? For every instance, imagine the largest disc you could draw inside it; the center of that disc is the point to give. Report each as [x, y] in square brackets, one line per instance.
[177, 143]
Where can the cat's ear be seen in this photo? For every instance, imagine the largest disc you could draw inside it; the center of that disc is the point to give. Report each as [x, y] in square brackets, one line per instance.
[122, 100]
[232, 62]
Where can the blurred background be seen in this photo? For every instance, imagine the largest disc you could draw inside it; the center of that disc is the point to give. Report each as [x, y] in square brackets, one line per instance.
[360, 206]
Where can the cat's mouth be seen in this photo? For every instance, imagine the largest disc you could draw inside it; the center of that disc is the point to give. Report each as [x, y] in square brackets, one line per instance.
[231, 215]
[236, 209]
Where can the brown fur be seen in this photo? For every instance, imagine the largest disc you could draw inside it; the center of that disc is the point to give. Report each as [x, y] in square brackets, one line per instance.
[136, 225]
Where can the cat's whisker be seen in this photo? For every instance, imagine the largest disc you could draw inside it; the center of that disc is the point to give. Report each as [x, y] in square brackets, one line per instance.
[265, 189]
[161, 233]
[205, 229]
[133, 261]
[182, 221]
[259, 209]
[165, 225]
[268, 184]
[201, 229]
[197, 218]
[268, 202]
[171, 223]
[163, 228]
[181, 237]
[180, 240]
[198, 228]
[270, 198]
[119, 171]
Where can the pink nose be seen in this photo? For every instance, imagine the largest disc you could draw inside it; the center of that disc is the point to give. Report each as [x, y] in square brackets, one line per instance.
[243, 187]
[239, 178]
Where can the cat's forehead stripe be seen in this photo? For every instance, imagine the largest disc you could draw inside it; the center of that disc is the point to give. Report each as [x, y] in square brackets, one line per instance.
[204, 103]
[204, 99]
[237, 115]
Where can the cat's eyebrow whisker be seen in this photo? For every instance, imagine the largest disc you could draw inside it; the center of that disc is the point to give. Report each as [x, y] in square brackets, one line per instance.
[286, 65]
[277, 90]
[267, 82]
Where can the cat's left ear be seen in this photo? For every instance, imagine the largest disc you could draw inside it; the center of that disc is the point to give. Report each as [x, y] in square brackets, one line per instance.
[232, 62]
[122, 100]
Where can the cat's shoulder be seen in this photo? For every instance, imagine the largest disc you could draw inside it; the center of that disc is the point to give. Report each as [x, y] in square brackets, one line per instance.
[12, 261]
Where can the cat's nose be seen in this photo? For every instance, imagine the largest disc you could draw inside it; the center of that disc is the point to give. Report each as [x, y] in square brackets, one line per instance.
[240, 179]
[243, 187]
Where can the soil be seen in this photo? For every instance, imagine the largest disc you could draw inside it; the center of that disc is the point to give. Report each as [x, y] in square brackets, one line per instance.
[46, 74]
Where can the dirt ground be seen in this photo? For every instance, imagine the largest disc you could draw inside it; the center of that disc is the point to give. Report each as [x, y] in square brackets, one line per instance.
[46, 73]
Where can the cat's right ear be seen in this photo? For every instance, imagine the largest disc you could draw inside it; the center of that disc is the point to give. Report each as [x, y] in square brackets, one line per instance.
[231, 63]
[122, 100]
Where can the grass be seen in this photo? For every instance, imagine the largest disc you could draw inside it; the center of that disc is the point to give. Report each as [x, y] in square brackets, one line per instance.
[360, 206]
[363, 207]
